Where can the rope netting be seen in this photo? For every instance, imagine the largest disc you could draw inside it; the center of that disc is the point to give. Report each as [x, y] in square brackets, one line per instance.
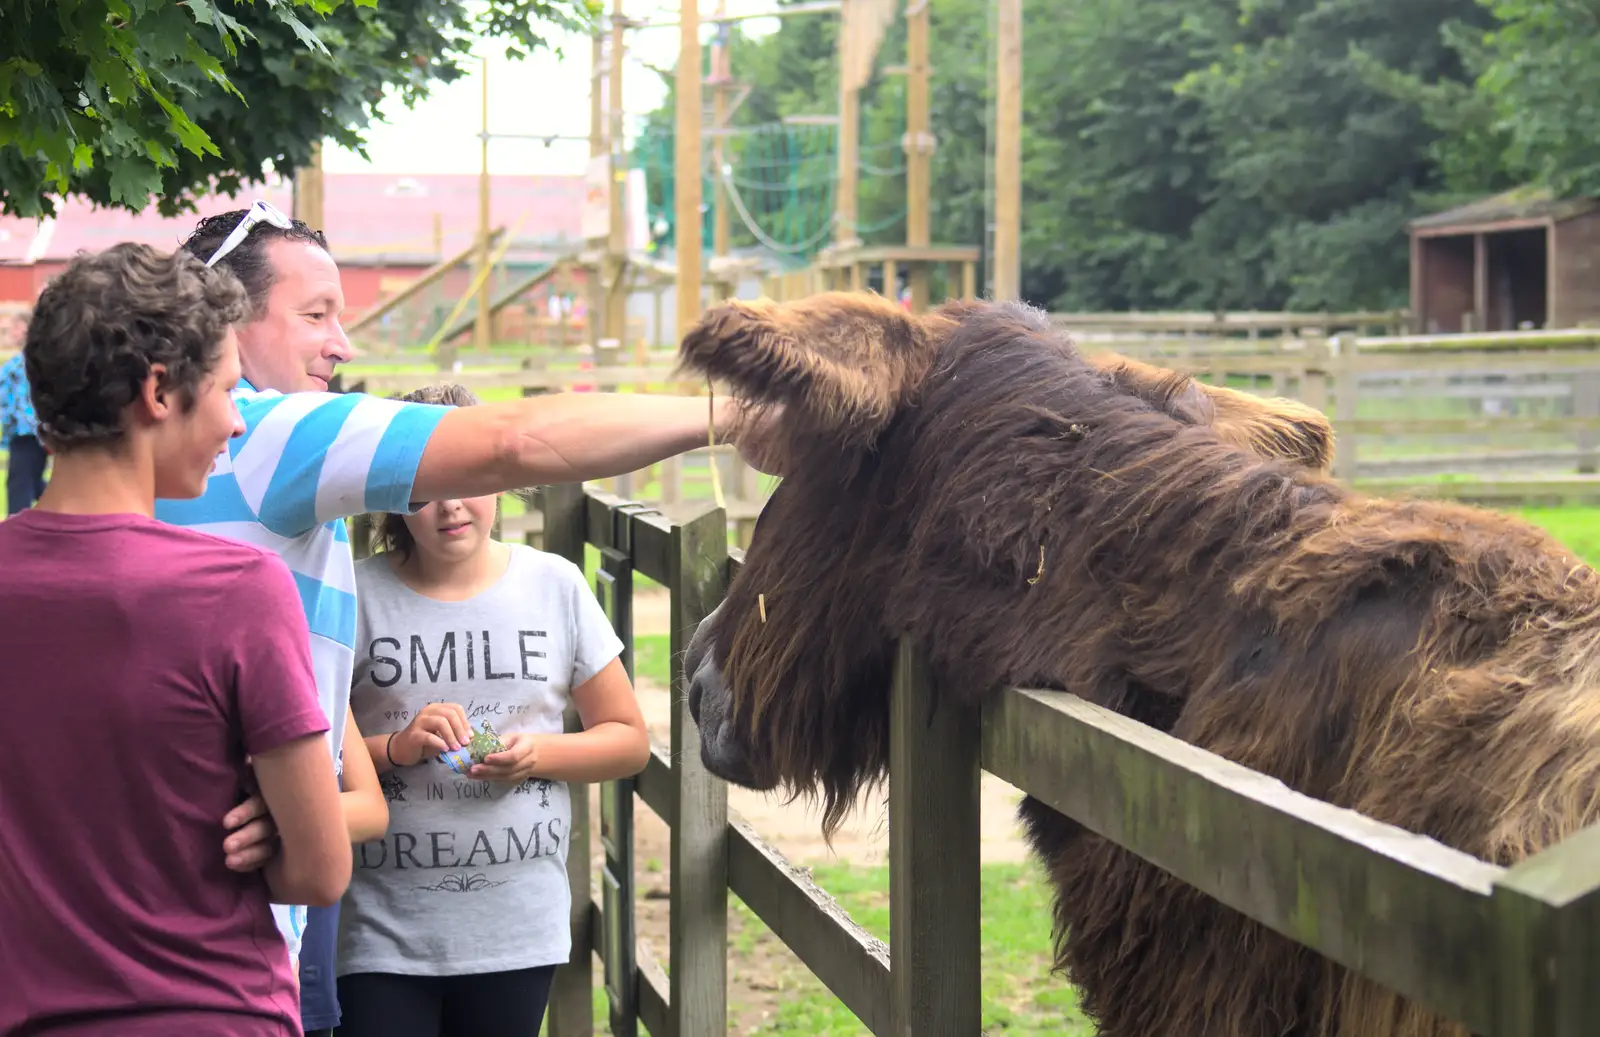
[781, 180]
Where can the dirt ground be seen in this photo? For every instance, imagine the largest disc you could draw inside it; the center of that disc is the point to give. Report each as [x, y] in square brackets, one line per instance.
[760, 976]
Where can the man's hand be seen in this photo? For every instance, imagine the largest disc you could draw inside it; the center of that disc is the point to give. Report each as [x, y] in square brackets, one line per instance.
[437, 728]
[252, 838]
[513, 766]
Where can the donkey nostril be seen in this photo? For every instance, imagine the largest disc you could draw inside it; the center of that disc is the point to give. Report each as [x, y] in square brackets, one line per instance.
[694, 700]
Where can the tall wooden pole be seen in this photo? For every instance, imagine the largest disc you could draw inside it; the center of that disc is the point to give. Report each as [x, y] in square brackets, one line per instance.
[481, 328]
[719, 120]
[593, 276]
[686, 174]
[1007, 256]
[617, 242]
[845, 210]
[308, 190]
[919, 146]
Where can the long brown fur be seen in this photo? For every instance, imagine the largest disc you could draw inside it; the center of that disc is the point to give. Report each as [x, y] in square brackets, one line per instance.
[1033, 517]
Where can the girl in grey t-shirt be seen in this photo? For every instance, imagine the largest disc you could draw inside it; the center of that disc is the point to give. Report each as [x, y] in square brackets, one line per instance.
[455, 920]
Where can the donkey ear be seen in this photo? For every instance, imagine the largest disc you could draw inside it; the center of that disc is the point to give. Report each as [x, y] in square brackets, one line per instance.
[841, 363]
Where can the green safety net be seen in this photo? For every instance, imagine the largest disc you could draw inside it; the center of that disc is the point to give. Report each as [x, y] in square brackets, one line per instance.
[782, 183]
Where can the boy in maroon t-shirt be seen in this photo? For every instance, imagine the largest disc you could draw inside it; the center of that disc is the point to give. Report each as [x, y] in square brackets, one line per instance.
[161, 674]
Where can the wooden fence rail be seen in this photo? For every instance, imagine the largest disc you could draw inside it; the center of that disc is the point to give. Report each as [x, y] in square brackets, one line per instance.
[1508, 952]
[1249, 322]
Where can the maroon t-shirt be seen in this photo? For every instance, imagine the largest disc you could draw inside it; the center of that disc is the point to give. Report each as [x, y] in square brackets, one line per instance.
[142, 662]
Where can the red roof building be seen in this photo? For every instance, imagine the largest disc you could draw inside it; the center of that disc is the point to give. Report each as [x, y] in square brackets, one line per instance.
[384, 229]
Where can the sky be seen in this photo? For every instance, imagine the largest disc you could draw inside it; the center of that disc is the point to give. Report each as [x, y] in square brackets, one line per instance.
[539, 94]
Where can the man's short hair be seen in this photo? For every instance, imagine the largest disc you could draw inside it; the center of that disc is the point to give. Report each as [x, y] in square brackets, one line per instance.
[101, 324]
[248, 261]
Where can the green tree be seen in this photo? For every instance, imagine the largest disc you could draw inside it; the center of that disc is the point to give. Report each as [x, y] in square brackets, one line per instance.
[1537, 97]
[1185, 154]
[1316, 159]
[126, 101]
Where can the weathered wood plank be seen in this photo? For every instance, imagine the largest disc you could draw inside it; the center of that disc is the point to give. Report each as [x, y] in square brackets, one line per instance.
[1506, 461]
[698, 950]
[614, 588]
[1568, 338]
[1405, 911]
[1173, 355]
[1484, 426]
[653, 995]
[1547, 927]
[571, 1010]
[1556, 488]
[1226, 322]
[1410, 391]
[934, 874]
[657, 786]
[602, 378]
[650, 979]
[652, 545]
[850, 961]
[1507, 363]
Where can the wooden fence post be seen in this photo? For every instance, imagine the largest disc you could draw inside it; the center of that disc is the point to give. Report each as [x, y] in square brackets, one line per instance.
[572, 992]
[934, 872]
[1346, 366]
[614, 587]
[1586, 404]
[1547, 917]
[698, 944]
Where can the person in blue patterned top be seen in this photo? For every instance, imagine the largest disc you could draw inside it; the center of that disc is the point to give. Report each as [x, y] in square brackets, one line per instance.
[19, 435]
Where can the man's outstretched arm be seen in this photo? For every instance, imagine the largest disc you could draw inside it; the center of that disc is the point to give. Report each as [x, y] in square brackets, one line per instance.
[571, 437]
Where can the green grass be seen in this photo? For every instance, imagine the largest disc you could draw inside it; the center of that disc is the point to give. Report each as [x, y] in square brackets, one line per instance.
[652, 658]
[1576, 527]
[1020, 996]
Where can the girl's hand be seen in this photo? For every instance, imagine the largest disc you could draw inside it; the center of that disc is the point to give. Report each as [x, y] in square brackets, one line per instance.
[437, 728]
[513, 766]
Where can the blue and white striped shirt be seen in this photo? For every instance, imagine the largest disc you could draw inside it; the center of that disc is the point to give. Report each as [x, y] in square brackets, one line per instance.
[305, 462]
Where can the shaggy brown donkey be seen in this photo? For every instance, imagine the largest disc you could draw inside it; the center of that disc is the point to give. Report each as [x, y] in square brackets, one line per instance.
[1032, 517]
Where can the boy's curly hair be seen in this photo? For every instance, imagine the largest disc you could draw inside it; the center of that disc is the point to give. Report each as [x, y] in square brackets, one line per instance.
[105, 320]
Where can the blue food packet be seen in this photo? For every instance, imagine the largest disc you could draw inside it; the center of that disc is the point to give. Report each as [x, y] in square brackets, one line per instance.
[485, 742]
[458, 760]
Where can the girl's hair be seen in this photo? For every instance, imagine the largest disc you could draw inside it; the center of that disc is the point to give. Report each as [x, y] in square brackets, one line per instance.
[390, 532]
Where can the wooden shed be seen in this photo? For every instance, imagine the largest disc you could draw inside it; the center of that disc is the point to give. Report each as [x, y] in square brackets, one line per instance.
[1521, 259]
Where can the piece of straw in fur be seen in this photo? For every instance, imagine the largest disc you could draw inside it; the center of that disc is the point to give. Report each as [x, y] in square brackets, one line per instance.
[1040, 574]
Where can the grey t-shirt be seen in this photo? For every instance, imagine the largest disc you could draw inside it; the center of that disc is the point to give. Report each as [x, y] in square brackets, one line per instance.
[471, 875]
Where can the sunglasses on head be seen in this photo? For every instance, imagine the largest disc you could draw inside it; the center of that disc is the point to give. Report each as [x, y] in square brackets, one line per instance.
[260, 212]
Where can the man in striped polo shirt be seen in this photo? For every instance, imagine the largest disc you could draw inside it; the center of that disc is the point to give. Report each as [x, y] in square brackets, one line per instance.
[310, 458]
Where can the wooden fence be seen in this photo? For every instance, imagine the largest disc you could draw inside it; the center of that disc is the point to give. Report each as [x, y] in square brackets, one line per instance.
[1508, 952]
[1249, 323]
[1499, 419]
